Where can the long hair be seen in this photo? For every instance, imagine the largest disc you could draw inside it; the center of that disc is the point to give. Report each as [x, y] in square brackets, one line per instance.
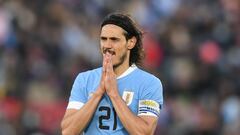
[126, 22]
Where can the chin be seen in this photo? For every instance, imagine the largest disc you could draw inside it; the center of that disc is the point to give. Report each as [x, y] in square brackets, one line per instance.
[115, 64]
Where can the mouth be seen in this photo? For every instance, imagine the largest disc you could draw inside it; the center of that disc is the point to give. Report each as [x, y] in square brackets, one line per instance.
[109, 51]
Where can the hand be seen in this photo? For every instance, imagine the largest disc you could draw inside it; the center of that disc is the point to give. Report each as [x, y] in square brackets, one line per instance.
[110, 81]
[101, 88]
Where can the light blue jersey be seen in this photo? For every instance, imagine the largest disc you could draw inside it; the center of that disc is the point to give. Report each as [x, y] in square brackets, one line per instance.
[141, 91]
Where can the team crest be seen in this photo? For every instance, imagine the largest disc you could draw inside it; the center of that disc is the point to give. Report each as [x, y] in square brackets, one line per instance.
[128, 97]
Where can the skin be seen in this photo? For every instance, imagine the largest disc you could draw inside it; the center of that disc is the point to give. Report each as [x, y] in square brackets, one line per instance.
[116, 52]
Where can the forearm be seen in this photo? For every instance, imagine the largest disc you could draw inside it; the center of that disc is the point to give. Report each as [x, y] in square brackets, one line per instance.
[75, 123]
[133, 124]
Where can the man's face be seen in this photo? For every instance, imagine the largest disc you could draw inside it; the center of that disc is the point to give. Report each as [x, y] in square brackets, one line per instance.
[112, 40]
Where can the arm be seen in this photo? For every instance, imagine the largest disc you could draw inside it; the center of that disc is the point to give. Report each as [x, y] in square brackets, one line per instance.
[75, 121]
[146, 125]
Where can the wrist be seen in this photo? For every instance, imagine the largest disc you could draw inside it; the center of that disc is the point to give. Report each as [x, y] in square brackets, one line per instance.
[113, 94]
[99, 92]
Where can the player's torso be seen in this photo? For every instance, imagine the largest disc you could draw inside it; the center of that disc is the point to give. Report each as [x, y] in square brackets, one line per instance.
[105, 120]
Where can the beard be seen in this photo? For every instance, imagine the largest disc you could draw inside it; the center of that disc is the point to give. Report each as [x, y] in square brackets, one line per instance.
[121, 60]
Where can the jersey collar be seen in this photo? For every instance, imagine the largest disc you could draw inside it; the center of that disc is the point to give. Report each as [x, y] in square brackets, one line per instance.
[128, 71]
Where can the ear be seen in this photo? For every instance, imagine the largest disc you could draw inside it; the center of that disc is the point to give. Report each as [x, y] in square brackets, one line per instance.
[131, 42]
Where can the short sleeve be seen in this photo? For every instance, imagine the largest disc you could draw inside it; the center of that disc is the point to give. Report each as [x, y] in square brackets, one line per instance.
[78, 93]
[151, 98]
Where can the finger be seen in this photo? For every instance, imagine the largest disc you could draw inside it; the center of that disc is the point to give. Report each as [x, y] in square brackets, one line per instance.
[103, 60]
[102, 84]
[109, 67]
[110, 63]
[104, 63]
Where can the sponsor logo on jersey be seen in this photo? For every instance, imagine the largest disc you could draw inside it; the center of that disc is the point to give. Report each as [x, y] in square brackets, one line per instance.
[128, 97]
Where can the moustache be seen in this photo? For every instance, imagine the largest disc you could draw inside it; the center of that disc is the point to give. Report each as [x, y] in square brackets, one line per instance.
[109, 51]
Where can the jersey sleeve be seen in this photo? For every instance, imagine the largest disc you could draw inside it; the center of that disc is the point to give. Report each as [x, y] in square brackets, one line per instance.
[151, 98]
[78, 93]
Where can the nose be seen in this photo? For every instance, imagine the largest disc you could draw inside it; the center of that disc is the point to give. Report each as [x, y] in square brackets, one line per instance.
[107, 44]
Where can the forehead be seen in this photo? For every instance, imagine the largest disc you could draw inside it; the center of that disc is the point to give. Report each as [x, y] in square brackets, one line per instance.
[110, 30]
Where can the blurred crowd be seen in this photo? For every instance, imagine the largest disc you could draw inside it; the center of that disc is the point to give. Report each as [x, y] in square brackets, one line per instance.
[193, 46]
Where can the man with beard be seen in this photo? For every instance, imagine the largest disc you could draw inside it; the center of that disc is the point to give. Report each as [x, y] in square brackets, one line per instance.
[117, 98]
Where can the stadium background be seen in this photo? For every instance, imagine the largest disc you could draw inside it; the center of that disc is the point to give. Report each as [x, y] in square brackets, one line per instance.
[193, 46]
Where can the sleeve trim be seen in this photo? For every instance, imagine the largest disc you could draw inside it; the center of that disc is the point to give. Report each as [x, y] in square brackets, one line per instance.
[75, 105]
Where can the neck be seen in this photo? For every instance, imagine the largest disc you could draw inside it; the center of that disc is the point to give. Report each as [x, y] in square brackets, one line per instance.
[121, 68]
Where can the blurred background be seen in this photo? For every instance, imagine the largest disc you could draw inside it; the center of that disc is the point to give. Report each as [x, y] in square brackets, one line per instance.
[193, 46]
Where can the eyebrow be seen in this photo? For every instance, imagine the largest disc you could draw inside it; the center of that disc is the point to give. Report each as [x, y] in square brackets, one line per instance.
[103, 37]
[111, 38]
[114, 38]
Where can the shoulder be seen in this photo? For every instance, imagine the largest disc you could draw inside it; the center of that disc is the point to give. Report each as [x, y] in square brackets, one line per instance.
[147, 80]
[89, 73]
[146, 76]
